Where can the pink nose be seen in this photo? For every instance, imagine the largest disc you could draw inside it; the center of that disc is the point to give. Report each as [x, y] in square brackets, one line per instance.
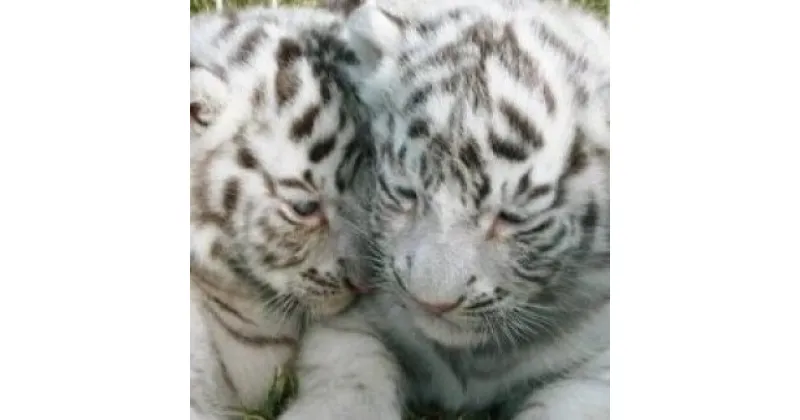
[438, 308]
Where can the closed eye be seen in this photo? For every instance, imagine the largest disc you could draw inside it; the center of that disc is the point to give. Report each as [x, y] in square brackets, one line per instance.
[306, 208]
[511, 218]
[396, 198]
[406, 193]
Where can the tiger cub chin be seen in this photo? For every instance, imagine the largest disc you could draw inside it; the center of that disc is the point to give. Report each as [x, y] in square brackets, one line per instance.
[274, 151]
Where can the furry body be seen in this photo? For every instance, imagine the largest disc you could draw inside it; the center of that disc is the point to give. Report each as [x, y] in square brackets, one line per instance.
[490, 225]
[273, 152]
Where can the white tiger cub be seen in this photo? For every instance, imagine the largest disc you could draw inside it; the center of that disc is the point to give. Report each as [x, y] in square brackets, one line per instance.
[274, 149]
[490, 221]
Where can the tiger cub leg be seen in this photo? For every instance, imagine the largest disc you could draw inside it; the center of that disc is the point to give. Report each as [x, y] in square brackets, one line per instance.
[238, 351]
[582, 395]
[345, 372]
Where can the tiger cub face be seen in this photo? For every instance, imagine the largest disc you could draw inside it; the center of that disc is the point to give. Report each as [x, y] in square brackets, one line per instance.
[273, 153]
[492, 137]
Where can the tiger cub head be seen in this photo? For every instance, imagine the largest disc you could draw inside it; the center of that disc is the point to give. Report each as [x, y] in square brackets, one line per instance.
[274, 152]
[491, 127]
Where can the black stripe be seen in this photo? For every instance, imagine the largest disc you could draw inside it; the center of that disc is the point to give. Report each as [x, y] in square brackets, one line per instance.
[523, 184]
[388, 192]
[287, 83]
[538, 191]
[393, 18]
[349, 164]
[541, 227]
[322, 149]
[251, 340]
[533, 278]
[556, 240]
[418, 128]
[195, 109]
[248, 45]
[470, 155]
[418, 97]
[521, 124]
[578, 158]
[588, 222]
[506, 150]
[230, 310]
[245, 276]
[230, 195]
[304, 126]
[226, 376]
[231, 24]
[246, 159]
[484, 188]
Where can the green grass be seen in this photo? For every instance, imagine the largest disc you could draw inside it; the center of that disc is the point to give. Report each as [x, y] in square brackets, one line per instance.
[280, 394]
[203, 5]
[600, 7]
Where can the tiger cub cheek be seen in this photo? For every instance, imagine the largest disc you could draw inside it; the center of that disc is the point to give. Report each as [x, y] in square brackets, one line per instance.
[397, 222]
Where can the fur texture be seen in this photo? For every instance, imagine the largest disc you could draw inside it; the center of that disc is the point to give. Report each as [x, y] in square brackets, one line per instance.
[274, 149]
[490, 223]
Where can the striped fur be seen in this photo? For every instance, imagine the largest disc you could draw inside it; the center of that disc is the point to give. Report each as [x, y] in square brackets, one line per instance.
[274, 149]
[491, 221]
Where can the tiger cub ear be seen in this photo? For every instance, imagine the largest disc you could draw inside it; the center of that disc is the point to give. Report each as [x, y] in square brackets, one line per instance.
[208, 96]
[370, 31]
